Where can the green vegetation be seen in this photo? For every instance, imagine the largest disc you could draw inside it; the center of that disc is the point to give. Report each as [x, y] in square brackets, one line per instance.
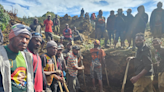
[4, 18]
[29, 20]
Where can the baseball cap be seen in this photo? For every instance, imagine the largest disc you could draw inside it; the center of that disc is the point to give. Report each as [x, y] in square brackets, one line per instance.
[76, 47]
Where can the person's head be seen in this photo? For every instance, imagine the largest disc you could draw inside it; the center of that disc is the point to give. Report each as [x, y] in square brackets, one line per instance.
[129, 11]
[139, 40]
[51, 48]
[119, 11]
[61, 39]
[19, 37]
[35, 43]
[141, 9]
[96, 43]
[56, 16]
[69, 46]
[60, 49]
[35, 21]
[74, 28]
[156, 43]
[100, 13]
[75, 50]
[66, 26]
[111, 12]
[49, 16]
[159, 5]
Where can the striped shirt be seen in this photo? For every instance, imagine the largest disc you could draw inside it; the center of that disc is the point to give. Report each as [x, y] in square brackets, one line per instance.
[72, 62]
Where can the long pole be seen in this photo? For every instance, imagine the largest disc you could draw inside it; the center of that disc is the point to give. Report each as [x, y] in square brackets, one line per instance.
[125, 77]
[60, 86]
[107, 76]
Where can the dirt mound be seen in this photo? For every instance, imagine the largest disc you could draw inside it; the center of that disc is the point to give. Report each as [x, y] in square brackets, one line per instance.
[13, 20]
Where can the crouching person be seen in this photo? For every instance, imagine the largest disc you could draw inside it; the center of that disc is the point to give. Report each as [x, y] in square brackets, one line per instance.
[16, 68]
[48, 64]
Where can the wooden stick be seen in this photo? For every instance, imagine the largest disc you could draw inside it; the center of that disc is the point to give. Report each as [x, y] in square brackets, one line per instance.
[60, 86]
[125, 77]
[83, 74]
[107, 76]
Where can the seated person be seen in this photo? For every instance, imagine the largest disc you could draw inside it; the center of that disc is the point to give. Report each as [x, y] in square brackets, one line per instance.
[76, 35]
[67, 33]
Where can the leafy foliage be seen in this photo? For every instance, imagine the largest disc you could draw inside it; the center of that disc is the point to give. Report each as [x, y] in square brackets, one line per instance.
[4, 18]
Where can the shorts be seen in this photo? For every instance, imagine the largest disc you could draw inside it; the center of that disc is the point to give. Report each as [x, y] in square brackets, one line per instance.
[56, 29]
[144, 84]
[97, 70]
[73, 83]
[49, 35]
[111, 34]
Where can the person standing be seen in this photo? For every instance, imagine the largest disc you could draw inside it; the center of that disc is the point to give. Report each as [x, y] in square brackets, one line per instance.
[16, 68]
[56, 23]
[143, 78]
[72, 66]
[120, 28]
[129, 31]
[159, 62]
[110, 26]
[1, 37]
[98, 59]
[48, 28]
[157, 21]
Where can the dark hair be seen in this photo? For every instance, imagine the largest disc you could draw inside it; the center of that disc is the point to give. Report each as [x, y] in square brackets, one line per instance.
[157, 39]
[140, 35]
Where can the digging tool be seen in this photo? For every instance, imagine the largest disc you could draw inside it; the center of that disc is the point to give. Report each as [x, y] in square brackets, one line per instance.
[83, 74]
[107, 76]
[125, 77]
[60, 86]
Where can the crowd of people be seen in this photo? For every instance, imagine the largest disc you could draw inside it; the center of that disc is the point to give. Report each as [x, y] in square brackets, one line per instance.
[22, 69]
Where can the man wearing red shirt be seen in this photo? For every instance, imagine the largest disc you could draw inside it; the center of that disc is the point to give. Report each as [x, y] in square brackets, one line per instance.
[48, 30]
[33, 47]
[67, 32]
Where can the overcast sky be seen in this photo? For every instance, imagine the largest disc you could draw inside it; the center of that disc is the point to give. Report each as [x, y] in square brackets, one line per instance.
[72, 7]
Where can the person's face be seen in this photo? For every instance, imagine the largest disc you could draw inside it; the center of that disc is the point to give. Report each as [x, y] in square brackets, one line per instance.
[74, 28]
[49, 17]
[20, 42]
[112, 13]
[52, 50]
[100, 13]
[59, 52]
[156, 44]
[36, 21]
[67, 26]
[128, 12]
[119, 12]
[75, 52]
[139, 41]
[159, 5]
[36, 41]
[69, 47]
[141, 10]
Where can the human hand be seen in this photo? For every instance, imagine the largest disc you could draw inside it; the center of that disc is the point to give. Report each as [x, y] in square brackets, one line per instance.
[134, 79]
[82, 67]
[129, 59]
[58, 72]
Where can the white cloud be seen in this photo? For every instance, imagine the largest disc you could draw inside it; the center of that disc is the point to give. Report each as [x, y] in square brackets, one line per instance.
[62, 6]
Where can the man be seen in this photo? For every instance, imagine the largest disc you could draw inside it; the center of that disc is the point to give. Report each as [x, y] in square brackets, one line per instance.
[33, 47]
[93, 18]
[98, 58]
[16, 69]
[56, 22]
[35, 27]
[72, 66]
[110, 25]
[129, 20]
[100, 27]
[139, 23]
[48, 65]
[48, 28]
[160, 62]
[157, 21]
[1, 37]
[120, 28]
[67, 51]
[75, 35]
[82, 13]
[143, 78]
[67, 33]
